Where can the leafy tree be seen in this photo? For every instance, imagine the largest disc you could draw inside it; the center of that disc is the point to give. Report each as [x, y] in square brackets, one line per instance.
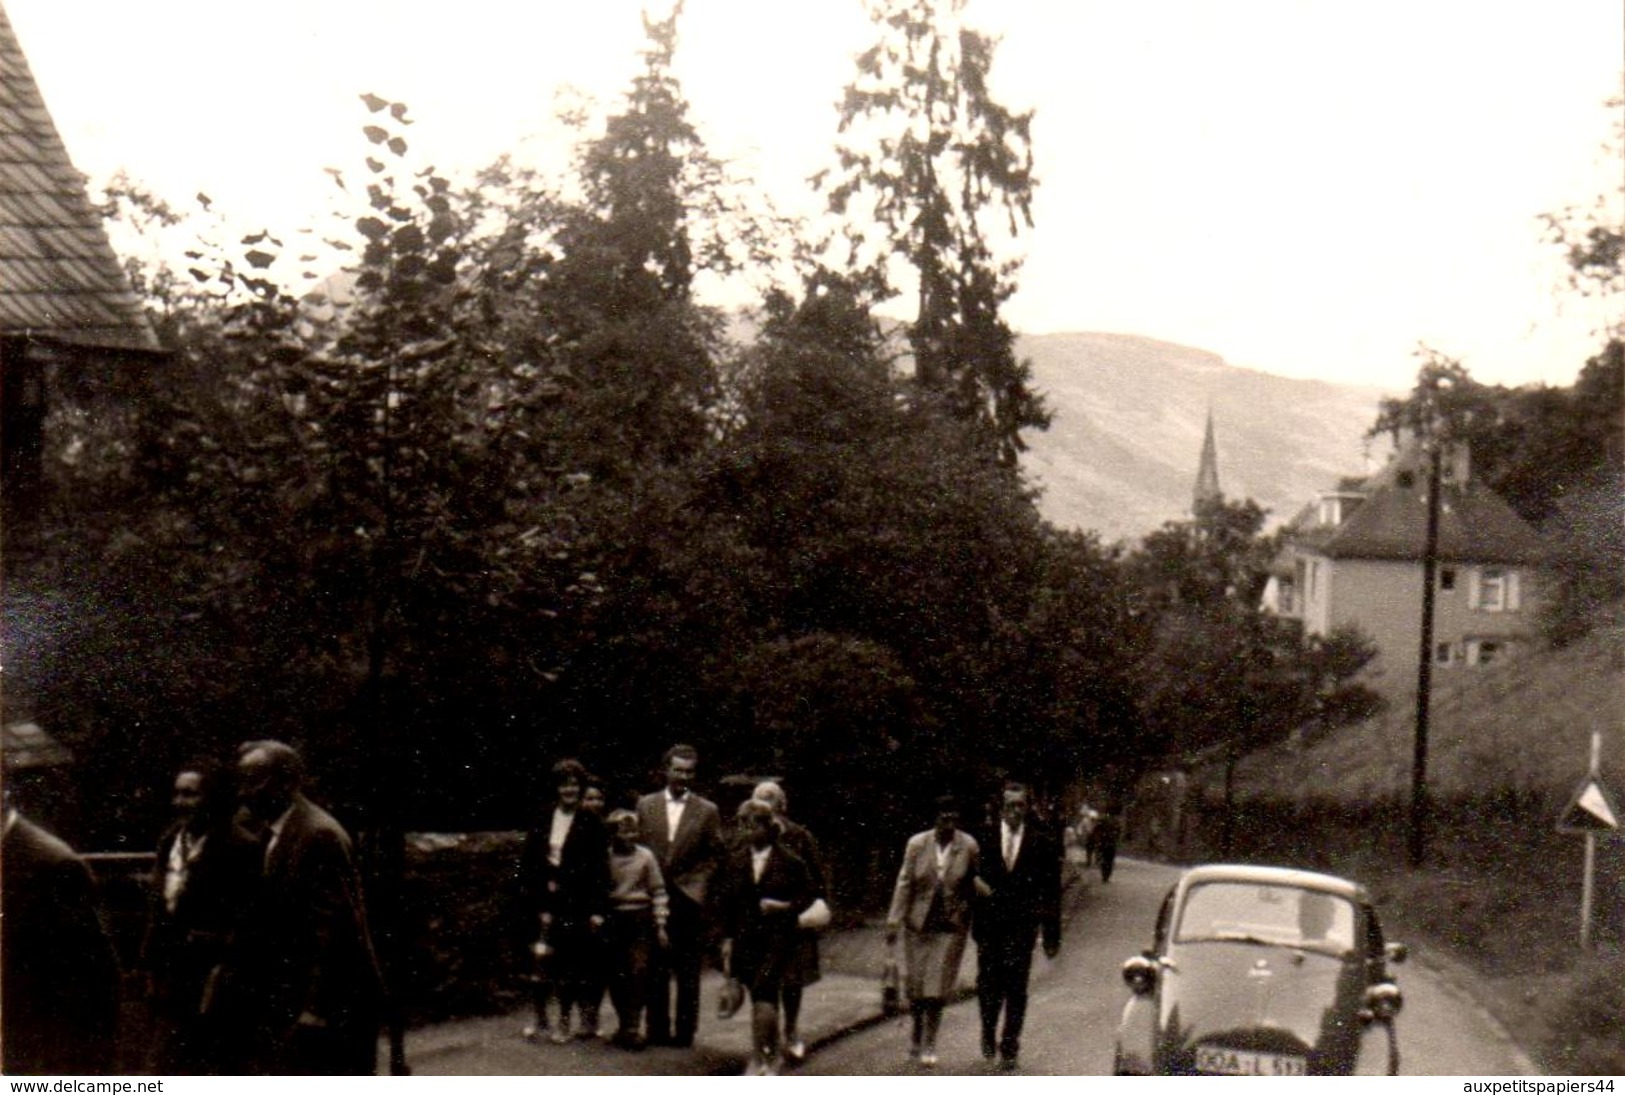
[1584, 527]
[1534, 445]
[641, 405]
[875, 519]
[332, 504]
[619, 300]
[1593, 237]
[1218, 556]
[1217, 674]
[935, 159]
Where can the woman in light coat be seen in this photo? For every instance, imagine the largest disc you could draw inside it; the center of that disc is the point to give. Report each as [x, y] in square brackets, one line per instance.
[931, 906]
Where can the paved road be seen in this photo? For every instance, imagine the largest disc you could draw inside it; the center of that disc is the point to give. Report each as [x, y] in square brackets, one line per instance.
[1077, 999]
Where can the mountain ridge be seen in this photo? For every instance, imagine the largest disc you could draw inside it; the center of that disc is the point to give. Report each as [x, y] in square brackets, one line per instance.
[1121, 455]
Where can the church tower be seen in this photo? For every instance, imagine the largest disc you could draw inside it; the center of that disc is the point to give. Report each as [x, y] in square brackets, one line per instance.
[1207, 475]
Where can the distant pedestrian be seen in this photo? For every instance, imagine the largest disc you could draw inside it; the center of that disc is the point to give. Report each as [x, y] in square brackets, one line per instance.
[206, 871]
[803, 968]
[762, 889]
[1107, 831]
[1022, 870]
[58, 971]
[636, 931]
[931, 906]
[684, 830]
[1088, 817]
[564, 876]
[303, 968]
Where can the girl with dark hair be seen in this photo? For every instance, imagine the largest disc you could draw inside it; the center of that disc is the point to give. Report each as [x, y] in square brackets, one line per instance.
[564, 879]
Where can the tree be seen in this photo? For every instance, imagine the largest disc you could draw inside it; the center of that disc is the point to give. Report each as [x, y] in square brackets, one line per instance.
[330, 503]
[1218, 675]
[937, 158]
[877, 515]
[1217, 556]
[914, 626]
[1593, 237]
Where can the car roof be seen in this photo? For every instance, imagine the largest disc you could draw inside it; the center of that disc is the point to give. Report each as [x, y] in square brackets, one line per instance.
[1278, 876]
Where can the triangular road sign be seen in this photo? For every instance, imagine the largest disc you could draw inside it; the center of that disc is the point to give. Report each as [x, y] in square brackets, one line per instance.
[1591, 810]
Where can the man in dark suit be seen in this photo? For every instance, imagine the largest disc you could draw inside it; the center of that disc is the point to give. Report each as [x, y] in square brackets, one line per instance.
[57, 964]
[303, 968]
[1021, 866]
[685, 833]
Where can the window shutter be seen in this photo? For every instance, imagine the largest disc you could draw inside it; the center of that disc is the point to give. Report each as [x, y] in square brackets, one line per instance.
[1473, 595]
[1513, 598]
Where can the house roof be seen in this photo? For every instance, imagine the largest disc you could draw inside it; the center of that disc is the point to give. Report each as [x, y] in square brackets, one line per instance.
[59, 278]
[1475, 526]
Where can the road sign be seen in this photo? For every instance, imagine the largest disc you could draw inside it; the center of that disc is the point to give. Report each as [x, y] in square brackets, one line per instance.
[1591, 810]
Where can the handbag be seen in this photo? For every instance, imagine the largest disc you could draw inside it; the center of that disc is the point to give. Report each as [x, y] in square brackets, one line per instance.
[891, 987]
[731, 999]
[816, 916]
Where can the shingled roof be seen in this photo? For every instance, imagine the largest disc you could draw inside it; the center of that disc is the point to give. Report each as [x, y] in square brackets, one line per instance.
[59, 279]
[1475, 526]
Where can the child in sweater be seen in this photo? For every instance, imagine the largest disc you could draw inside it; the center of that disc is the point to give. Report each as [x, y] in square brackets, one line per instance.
[637, 924]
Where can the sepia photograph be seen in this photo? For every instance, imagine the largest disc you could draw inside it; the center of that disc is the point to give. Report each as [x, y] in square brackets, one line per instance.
[850, 538]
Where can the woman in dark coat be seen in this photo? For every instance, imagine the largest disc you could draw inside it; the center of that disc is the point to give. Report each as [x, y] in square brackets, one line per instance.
[564, 883]
[803, 968]
[204, 874]
[764, 888]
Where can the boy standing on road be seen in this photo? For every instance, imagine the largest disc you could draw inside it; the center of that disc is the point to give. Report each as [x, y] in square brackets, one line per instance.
[637, 924]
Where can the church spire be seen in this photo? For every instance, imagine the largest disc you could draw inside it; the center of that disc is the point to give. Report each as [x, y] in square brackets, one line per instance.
[1207, 476]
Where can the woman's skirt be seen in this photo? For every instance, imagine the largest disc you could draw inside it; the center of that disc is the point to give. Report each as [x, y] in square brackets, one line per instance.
[802, 968]
[932, 960]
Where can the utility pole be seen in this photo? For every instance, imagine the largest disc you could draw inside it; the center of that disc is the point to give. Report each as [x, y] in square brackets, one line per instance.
[1424, 662]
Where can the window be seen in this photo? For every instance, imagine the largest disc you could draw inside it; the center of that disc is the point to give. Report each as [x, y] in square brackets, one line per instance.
[1447, 578]
[1487, 651]
[1494, 589]
[1444, 654]
[1219, 912]
[1283, 595]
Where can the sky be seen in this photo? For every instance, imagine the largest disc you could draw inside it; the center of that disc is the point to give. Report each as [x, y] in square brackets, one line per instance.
[1311, 188]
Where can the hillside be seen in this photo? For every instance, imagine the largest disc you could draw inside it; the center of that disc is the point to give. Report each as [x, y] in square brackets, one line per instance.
[1121, 456]
[1526, 727]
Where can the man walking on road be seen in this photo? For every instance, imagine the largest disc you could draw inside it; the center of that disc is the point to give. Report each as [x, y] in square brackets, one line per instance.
[684, 831]
[1021, 865]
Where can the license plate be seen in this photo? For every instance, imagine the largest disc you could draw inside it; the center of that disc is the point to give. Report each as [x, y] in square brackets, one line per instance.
[1217, 1061]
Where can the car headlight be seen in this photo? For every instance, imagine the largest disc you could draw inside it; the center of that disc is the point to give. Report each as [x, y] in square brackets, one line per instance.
[1382, 1001]
[1141, 974]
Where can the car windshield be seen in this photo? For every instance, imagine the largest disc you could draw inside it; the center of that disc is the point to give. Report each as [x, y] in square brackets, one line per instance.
[1251, 912]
